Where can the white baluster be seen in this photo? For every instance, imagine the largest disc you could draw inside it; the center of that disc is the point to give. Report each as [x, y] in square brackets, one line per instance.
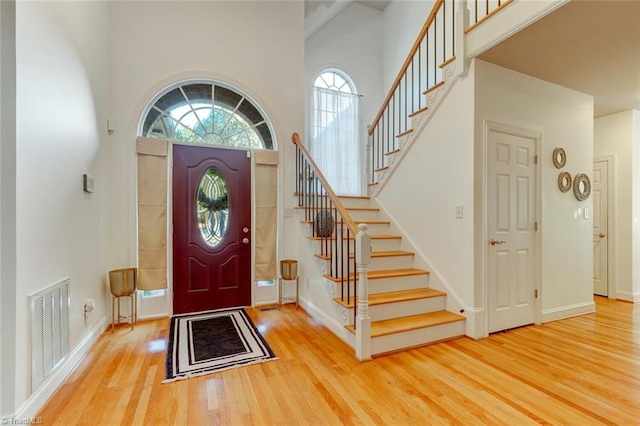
[362, 320]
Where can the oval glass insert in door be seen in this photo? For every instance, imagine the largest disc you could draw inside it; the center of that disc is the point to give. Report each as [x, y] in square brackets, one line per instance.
[213, 207]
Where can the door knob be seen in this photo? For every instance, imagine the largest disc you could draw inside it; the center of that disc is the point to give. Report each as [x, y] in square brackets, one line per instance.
[245, 240]
[601, 235]
[494, 242]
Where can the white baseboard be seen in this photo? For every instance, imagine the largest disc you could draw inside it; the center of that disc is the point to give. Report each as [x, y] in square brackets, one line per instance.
[39, 398]
[628, 296]
[568, 311]
[475, 326]
[154, 317]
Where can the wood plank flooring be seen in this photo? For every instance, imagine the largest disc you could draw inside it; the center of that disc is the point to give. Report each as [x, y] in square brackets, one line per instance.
[580, 371]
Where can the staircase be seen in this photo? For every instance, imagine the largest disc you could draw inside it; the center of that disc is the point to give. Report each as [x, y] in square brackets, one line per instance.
[404, 311]
[397, 309]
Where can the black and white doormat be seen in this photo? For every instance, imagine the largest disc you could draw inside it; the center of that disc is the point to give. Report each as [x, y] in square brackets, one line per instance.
[211, 341]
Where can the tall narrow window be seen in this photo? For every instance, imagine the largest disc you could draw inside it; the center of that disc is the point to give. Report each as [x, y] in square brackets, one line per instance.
[335, 139]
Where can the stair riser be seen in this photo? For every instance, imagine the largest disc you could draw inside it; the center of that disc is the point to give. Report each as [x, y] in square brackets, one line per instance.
[390, 262]
[356, 202]
[406, 308]
[402, 309]
[377, 229]
[386, 244]
[386, 285]
[364, 216]
[422, 336]
[377, 263]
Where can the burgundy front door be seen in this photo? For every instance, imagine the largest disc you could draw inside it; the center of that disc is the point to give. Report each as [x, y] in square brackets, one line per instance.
[211, 228]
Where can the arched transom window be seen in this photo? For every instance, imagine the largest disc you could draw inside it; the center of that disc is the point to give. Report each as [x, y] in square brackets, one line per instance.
[333, 80]
[208, 113]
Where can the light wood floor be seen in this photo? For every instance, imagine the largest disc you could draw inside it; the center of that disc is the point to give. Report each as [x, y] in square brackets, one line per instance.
[580, 371]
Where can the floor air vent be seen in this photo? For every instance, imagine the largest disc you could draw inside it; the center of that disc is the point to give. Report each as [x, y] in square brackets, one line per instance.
[49, 330]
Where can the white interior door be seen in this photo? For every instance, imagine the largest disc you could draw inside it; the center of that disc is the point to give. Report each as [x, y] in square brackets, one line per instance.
[600, 228]
[511, 230]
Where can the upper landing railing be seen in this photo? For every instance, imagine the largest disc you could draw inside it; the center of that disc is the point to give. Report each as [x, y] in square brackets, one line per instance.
[420, 73]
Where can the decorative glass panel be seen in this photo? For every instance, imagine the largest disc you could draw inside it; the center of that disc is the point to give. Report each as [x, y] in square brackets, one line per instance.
[209, 114]
[213, 207]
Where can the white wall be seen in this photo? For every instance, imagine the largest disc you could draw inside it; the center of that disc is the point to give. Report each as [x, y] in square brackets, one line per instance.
[402, 22]
[256, 46]
[61, 127]
[614, 134]
[565, 119]
[351, 42]
[435, 175]
[7, 205]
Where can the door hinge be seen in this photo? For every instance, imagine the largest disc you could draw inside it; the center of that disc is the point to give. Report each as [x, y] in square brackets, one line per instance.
[535, 159]
[248, 154]
[535, 226]
[536, 293]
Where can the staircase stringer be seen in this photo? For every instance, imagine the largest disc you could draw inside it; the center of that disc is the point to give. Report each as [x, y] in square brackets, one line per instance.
[437, 281]
[452, 72]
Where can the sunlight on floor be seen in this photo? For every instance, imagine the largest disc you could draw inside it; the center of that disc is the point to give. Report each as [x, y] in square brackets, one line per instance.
[156, 346]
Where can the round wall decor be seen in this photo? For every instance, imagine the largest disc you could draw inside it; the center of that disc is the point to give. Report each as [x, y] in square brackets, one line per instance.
[581, 187]
[559, 158]
[564, 181]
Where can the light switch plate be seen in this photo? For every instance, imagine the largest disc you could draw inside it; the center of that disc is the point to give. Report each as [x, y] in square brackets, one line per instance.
[288, 212]
[586, 213]
[459, 211]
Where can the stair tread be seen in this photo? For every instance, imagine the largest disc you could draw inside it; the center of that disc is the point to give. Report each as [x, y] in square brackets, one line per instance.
[432, 88]
[360, 209]
[413, 322]
[391, 253]
[368, 222]
[373, 237]
[389, 273]
[423, 109]
[357, 197]
[406, 132]
[394, 296]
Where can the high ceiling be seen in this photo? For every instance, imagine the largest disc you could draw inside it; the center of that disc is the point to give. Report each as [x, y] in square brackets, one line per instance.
[317, 13]
[589, 46]
[311, 6]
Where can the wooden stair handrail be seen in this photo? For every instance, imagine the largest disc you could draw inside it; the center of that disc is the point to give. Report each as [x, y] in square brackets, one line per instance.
[295, 138]
[407, 62]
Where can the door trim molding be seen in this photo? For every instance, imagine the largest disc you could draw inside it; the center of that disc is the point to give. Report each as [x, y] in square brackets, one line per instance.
[536, 135]
[611, 222]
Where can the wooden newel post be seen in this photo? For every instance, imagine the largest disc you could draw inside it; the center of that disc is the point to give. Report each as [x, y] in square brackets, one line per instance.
[362, 320]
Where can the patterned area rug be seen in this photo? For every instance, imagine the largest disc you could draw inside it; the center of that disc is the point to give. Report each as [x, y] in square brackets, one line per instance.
[211, 341]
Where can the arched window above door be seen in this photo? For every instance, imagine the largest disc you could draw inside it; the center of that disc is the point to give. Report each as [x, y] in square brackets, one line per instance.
[206, 112]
